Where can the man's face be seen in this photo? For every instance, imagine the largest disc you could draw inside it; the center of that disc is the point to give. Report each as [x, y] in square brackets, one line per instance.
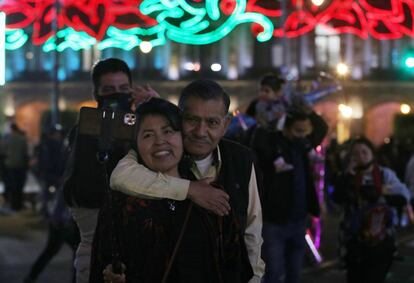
[204, 123]
[111, 83]
[299, 129]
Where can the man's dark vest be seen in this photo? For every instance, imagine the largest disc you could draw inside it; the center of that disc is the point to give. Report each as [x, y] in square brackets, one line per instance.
[234, 176]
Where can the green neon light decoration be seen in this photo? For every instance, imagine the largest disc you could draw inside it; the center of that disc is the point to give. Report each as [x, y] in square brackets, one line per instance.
[15, 38]
[130, 38]
[212, 8]
[69, 38]
[116, 38]
[202, 25]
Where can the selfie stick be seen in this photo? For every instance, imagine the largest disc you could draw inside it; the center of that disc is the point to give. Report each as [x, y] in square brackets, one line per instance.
[104, 146]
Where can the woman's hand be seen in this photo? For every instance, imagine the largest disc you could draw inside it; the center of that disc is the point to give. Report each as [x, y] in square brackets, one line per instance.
[110, 277]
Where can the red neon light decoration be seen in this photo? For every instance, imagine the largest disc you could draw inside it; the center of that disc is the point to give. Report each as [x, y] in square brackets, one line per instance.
[92, 17]
[385, 19]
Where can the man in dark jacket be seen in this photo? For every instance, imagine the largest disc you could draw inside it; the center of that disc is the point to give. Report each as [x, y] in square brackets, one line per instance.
[288, 194]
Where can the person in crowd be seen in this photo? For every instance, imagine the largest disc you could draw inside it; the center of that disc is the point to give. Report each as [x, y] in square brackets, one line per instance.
[268, 109]
[16, 159]
[62, 230]
[49, 166]
[205, 119]
[270, 106]
[84, 178]
[288, 195]
[367, 228]
[409, 177]
[84, 181]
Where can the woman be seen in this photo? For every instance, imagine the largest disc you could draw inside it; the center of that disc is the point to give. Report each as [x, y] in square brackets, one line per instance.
[367, 227]
[158, 239]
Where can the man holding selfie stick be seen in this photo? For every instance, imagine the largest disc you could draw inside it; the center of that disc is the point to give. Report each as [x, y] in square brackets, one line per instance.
[84, 187]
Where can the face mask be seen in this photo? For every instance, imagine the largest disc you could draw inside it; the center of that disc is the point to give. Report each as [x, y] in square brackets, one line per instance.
[116, 101]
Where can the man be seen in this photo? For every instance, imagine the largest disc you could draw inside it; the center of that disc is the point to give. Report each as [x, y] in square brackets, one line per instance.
[205, 120]
[84, 180]
[15, 151]
[288, 194]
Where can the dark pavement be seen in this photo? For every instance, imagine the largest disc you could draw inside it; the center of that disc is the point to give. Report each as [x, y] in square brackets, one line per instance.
[22, 238]
[23, 235]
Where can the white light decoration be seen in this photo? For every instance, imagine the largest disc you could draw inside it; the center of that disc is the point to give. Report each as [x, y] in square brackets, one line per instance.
[216, 67]
[2, 48]
[9, 109]
[342, 69]
[317, 2]
[62, 104]
[345, 110]
[145, 46]
[189, 66]
[409, 62]
[405, 109]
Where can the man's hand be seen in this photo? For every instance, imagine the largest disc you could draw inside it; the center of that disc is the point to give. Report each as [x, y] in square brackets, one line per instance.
[110, 277]
[209, 197]
[142, 93]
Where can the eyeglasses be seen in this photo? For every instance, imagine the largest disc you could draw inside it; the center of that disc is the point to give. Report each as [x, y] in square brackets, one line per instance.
[211, 122]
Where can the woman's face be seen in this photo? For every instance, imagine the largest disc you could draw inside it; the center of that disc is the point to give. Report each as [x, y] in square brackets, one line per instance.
[361, 154]
[159, 146]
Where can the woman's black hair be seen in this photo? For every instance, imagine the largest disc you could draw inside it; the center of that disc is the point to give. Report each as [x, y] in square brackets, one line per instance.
[159, 107]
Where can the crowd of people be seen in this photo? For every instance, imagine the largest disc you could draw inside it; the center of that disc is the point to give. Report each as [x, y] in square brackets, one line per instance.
[184, 202]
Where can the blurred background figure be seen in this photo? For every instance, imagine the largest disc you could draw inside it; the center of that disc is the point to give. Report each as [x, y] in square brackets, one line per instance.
[14, 150]
[271, 105]
[49, 167]
[366, 192]
[62, 229]
[288, 195]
